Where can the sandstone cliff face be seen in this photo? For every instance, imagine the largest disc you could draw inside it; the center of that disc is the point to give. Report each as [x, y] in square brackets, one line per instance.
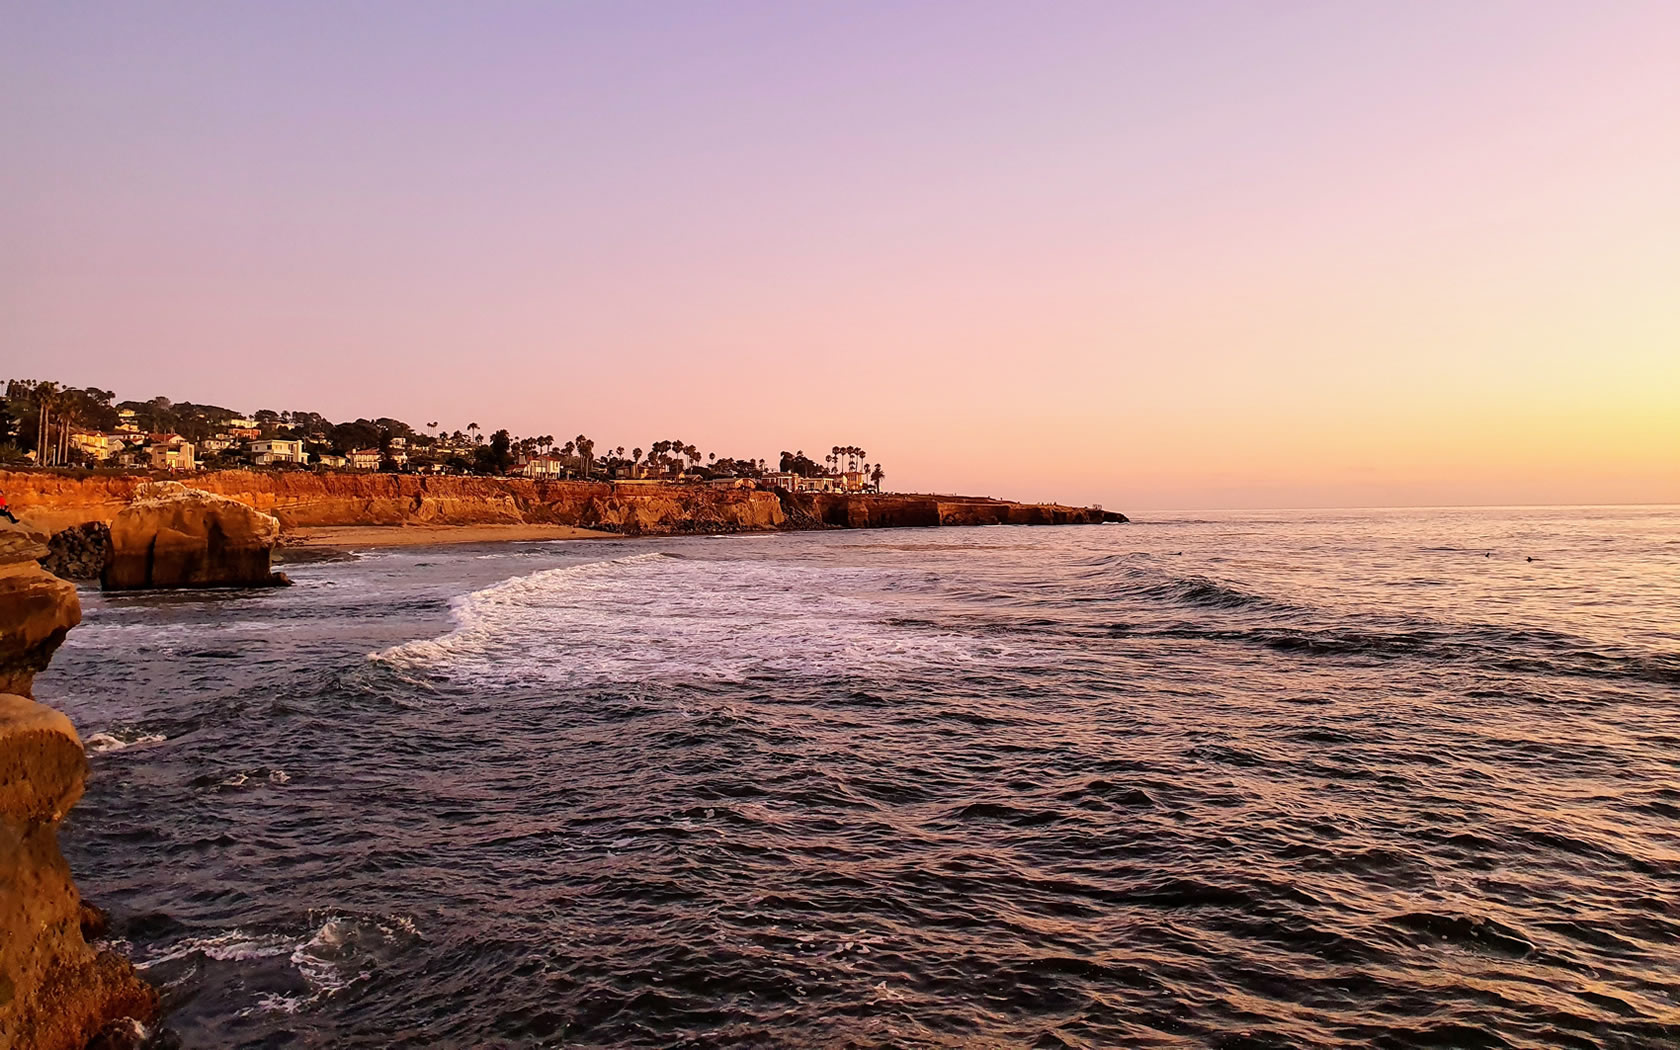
[174, 536]
[300, 499]
[36, 609]
[56, 990]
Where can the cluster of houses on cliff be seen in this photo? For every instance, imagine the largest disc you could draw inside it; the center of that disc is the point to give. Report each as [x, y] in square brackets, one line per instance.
[239, 441]
[129, 445]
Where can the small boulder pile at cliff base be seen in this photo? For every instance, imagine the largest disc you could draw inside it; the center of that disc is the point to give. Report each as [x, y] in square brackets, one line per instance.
[174, 536]
[57, 991]
[80, 552]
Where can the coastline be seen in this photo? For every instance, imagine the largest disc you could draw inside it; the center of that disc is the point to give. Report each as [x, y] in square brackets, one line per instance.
[341, 537]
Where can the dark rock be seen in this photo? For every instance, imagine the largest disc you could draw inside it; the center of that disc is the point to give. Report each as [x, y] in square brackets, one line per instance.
[95, 922]
[80, 552]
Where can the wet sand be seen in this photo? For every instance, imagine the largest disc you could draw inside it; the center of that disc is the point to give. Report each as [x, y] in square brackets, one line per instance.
[365, 536]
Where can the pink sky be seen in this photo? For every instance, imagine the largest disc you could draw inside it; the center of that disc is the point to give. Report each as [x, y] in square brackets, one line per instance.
[1151, 255]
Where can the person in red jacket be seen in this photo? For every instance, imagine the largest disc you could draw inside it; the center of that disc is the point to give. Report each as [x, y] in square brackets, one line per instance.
[6, 510]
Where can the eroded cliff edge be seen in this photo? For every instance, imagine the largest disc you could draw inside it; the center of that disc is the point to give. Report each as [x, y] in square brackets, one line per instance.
[303, 500]
[57, 991]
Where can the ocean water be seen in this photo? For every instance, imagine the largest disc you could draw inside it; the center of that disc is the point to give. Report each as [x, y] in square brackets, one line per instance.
[1338, 779]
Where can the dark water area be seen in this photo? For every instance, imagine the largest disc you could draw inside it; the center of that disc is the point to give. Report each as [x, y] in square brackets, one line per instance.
[1336, 779]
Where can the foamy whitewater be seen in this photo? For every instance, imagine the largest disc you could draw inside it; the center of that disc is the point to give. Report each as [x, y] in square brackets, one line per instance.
[1288, 780]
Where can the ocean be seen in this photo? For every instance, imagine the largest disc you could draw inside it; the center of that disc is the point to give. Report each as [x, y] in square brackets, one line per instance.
[1305, 779]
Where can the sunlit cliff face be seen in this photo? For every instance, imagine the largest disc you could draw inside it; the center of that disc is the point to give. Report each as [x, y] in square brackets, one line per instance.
[1189, 256]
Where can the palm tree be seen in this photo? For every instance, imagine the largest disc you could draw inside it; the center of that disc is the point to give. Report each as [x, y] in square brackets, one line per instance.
[879, 473]
[46, 399]
[472, 428]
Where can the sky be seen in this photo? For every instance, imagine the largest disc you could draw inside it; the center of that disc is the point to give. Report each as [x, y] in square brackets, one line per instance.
[1152, 255]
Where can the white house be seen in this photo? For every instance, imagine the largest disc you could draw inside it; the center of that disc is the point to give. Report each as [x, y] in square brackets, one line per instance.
[276, 450]
[547, 465]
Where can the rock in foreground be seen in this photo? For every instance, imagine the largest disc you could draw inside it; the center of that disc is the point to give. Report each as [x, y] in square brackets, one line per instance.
[174, 536]
[56, 990]
[36, 609]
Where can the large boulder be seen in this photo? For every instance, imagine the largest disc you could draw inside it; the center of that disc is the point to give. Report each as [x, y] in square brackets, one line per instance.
[36, 609]
[175, 536]
[57, 991]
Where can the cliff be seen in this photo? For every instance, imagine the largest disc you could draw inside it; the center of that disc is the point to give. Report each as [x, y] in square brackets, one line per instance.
[300, 499]
[883, 511]
[36, 609]
[57, 991]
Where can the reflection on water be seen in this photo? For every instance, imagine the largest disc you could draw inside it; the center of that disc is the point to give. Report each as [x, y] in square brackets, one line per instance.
[1338, 780]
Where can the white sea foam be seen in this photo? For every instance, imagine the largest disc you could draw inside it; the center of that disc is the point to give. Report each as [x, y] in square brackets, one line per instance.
[342, 950]
[100, 743]
[650, 616]
[232, 946]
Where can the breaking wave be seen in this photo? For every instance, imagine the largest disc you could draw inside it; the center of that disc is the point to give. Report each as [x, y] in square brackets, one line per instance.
[659, 616]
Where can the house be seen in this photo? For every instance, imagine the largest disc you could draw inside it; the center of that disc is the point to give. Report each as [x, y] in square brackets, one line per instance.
[171, 452]
[95, 445]
[799, 483]
[364, 459]
[547, 465]
[250, 433]
[327, 459]
[276, 450]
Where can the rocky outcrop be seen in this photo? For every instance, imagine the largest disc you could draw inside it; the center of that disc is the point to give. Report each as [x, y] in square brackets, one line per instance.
[302, 499]
[174, 536]
[57, 991]
[80, 552]
[887, 511]
[36, 609]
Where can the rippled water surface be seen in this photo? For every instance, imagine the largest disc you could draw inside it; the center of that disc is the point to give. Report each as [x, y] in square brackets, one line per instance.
[1367, 779]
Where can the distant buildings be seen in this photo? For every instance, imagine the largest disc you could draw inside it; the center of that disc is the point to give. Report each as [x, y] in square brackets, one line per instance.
[548, 465]
[276, 450]
[171, 452]
[851, 481]
[100, 447]
[364, 459]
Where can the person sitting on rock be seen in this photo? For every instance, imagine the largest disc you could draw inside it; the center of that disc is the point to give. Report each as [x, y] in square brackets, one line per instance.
[6, 510]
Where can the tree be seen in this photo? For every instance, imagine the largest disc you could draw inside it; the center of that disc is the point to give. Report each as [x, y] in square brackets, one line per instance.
[876, 476]
[496, 457]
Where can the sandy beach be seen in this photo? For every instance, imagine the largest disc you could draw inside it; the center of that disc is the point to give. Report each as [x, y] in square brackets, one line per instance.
[363, 536]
